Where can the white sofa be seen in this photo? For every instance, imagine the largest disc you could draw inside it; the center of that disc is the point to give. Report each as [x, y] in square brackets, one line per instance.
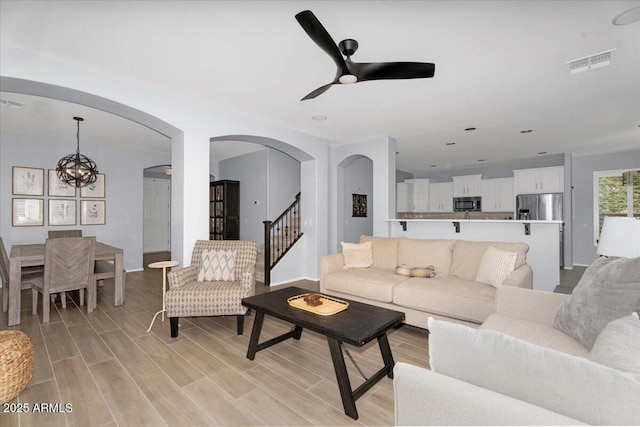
[517, 369]
[453, 295]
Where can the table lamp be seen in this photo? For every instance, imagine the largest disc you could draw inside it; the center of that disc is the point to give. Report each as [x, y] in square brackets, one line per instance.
[620, 236]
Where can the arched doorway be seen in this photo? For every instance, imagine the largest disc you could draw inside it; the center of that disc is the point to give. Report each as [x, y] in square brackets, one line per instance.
[355, 198]
[156, 209]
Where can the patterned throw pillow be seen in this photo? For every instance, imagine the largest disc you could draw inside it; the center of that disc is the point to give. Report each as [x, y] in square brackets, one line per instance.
[217, 265]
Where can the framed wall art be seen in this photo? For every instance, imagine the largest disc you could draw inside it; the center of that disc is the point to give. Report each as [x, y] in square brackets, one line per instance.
[59, 188]
[27, 212]
[28, 181]
[92, 212]
[94, 190]
[359, 204]
[62, 212]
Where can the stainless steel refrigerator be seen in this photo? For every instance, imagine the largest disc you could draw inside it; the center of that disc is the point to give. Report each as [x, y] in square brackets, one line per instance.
[543, 207]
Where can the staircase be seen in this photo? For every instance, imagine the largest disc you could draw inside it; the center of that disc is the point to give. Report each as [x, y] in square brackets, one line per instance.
[279, 236]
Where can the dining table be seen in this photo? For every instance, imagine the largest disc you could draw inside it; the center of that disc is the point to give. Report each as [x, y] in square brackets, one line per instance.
[33, 255]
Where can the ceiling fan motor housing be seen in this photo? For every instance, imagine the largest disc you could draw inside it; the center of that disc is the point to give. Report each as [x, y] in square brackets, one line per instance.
[348, 47]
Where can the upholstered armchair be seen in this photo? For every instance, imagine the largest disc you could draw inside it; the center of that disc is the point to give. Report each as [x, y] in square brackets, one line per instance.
[205, 289]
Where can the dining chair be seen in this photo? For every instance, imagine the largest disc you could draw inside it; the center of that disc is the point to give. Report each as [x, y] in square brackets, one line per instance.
[28, 273]
[103, 269]
[68, 266]
[55, 234]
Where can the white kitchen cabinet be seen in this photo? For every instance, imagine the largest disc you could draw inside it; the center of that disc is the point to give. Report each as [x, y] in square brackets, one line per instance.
[467, 185]
[498, 195]
[441, 197]
[418, 195]
[412, 195]
[539, 180]
[402, 197]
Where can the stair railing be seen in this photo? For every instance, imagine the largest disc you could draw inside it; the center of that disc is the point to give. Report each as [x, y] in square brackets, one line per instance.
[279, 236]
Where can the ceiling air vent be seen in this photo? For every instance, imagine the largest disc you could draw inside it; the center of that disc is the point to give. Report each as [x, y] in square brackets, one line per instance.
[589, 63]
[10, 103]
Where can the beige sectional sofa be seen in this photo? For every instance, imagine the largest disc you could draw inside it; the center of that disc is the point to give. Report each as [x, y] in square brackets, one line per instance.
[453, 295]
[518, 369]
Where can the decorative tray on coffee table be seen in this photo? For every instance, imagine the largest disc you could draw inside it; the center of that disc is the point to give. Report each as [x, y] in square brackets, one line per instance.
[328, 307]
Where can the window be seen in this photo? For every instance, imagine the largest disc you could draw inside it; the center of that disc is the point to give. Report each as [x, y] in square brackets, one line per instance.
[615, 193]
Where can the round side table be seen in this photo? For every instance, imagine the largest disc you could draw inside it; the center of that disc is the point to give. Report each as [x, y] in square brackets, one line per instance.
[163, 265]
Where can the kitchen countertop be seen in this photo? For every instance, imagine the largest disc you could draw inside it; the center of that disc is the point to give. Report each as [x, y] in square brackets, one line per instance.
[503, 221]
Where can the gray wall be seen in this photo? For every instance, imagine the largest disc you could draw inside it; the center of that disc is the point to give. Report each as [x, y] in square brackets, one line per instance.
[584, 251]
[269, 181]
[402, 175]
[123, 169]
[358, 178]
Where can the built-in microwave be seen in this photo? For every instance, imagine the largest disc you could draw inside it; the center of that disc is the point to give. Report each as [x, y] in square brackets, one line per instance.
[462, 204]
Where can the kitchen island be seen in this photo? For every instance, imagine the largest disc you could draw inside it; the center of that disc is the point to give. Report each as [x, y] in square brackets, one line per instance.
[543, 238]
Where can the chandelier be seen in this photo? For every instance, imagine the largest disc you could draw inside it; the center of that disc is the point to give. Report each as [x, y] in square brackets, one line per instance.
[76, 169]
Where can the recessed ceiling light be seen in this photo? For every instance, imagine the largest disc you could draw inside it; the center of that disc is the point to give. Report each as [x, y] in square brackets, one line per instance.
[434, 166]
[319, 118]
[526, 131]
[469, 129]
[542, 152]
[451, 143]
[481, 160]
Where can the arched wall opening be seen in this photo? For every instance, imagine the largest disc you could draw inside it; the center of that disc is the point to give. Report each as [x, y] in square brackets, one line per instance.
[127, 232]
[355, 198]
[266, 200]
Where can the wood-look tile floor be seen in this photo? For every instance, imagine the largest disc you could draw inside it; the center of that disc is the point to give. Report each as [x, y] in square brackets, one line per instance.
[104, 369]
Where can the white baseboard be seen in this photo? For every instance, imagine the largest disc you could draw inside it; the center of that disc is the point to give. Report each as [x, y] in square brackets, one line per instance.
[580, 265]
[293, 280]
[133, 270]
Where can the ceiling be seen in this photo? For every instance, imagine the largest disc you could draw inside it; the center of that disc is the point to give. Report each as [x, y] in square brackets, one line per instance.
[501, 67]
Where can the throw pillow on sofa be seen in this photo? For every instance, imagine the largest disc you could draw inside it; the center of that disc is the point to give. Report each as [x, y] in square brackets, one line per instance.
[569, 385]
[357, 255]
[618, 345]
[608, 290]
[495, 266]
[217, 265]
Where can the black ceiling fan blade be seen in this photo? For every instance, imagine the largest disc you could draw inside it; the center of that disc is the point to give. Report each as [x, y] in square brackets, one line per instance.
[321, 37]
[391, 70]
[319, 91]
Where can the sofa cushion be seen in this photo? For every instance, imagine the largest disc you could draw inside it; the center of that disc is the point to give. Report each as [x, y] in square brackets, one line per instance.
[217, 265]
[384, 249]
[535, 333]
[372, 283]
[461, 299]
[495, 266]
[467, 256]
[608, 290]
[357, 255]
[422, 253]
[618, 345]
[572, 386]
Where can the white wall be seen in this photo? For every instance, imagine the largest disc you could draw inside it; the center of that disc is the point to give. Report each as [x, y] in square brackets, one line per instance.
[193, 123]
[123, 169]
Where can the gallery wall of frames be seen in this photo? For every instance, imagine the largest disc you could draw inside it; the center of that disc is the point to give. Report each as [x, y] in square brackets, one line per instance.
[39, 194]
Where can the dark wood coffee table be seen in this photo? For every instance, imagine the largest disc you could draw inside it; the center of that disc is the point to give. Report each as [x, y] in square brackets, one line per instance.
[357, 325]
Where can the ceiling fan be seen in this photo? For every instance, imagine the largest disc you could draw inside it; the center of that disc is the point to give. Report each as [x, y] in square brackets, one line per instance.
[353, 72]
